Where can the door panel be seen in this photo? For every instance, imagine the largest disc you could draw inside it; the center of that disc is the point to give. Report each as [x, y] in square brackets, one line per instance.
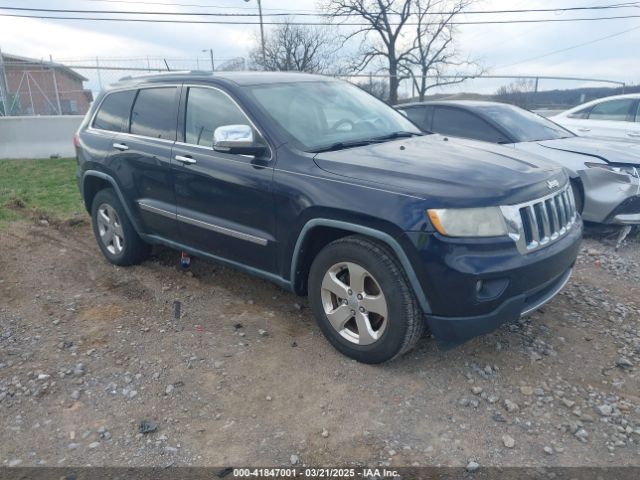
[225, 206]
[224, 201]
[145, 175]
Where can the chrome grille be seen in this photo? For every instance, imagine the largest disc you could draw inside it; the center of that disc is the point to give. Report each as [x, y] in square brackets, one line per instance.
[539, 222]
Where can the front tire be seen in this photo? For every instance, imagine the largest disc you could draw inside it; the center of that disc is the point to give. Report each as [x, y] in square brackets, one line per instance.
[362, 300]
[116, 237]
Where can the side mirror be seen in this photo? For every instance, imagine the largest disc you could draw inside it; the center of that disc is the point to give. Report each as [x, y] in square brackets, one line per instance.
[236, 139]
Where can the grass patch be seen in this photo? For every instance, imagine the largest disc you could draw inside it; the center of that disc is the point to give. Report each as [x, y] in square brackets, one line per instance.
[45, 187]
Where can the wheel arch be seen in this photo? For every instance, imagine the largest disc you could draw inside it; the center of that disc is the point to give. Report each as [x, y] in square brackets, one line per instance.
[93, 181]
[319, 232]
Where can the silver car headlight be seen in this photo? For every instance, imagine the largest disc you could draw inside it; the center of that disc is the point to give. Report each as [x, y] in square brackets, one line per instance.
[469, 222]
[620, 168]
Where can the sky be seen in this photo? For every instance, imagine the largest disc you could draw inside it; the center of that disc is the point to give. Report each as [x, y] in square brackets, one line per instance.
[503, 49]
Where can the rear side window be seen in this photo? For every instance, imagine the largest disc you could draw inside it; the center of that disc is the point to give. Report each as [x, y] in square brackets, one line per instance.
[616, 110]
[155, 113]
[458, 123]
[114, 111]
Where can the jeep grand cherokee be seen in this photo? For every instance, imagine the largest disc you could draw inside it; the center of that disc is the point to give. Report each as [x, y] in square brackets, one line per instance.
[321, 188]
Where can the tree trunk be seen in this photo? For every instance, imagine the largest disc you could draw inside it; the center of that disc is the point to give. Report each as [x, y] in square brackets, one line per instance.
[393, 82]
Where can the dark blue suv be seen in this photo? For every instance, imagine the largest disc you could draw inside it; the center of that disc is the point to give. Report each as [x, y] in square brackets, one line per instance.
[319, 187]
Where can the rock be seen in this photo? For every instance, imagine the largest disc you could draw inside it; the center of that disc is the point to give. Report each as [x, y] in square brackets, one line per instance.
[526, 390]
[498, 417]
[133, 393]
[472, 466]
[168, 390]
[43, 376]
[73, 446]
[325, 433]
[582, 435]
[218, 364]
[147, 426]
[263, 333]
[75, 395]
[548, 450]
[94, 445]
[268, 398]
[294, 459]
[568, 403]
[508, 441]
[15, 462]
[511, 406]
[624, 362]
[476, 390]
[604, 410]
[78, 370]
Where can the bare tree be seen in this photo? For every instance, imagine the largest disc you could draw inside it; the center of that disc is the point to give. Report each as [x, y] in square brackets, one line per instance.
[384, 19]
[413, 37]
[377, 87]
[291, 47]
[518, 93]
[233, 65]
[433, 60]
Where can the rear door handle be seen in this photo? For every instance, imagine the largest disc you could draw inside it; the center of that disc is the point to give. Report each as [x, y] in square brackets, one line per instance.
[635, 135]
[120, 146]
[185, 160]
[584, 129]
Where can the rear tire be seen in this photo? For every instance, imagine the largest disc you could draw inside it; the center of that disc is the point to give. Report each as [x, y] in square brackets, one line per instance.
[362, 300]
[116, 237]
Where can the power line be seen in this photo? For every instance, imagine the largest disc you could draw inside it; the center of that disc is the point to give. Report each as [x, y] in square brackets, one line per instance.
[354, 24]
[320, 14]
[573, 47]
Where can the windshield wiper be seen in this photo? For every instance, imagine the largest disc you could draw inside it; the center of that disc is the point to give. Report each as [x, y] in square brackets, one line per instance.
[394, 135]
[342, 146]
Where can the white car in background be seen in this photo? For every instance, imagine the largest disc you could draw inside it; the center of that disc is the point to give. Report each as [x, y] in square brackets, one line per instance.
[614, 117]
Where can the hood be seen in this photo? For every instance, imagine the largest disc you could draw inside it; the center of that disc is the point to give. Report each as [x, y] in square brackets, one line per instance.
[607, 150]
[446, 170]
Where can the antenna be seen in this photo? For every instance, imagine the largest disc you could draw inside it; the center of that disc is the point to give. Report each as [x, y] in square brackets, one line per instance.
[166, 64]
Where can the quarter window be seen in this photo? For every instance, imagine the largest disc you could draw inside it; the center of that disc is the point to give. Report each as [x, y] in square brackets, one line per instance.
[208, 109]
[616, 110]
[114, 111]
[154, 113]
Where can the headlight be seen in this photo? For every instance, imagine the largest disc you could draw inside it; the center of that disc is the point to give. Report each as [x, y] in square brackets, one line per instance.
[468, 222]
[620, 168]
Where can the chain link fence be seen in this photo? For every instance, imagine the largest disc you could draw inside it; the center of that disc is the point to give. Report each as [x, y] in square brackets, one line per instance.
[68, 86]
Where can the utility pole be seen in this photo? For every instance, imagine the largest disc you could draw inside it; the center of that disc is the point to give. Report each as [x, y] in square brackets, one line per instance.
[213, 67]
[4, 93]
[55, 85]
[264, 55]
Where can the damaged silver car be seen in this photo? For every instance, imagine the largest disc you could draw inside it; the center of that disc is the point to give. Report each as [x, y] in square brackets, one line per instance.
[605, 173]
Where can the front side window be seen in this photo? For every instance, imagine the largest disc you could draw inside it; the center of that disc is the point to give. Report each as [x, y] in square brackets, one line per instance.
[523, 125]
[154, 113]
[615, 110]
[114, 111]
[316, 115]
[416, 115]
[208, 109]
[458, 123]
[638, 113]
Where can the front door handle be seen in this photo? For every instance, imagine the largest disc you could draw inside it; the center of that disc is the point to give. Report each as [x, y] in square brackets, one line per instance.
[185, 160]
[634, 135]
[584, 129]
[120, 146]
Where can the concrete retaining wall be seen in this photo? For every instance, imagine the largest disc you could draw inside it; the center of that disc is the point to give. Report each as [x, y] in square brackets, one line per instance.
[38, 137]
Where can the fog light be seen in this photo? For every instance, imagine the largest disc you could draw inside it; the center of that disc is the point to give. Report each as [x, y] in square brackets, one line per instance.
[490, 289]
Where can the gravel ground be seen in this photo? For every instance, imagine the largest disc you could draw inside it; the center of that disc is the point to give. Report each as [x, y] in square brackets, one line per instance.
[152, 365]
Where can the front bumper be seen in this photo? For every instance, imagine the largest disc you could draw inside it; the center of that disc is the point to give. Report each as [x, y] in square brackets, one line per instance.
[474, 286]
[610, 197]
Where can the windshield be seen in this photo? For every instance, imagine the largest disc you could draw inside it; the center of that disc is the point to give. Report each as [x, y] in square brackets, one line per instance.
[522, 125]
[326, 115]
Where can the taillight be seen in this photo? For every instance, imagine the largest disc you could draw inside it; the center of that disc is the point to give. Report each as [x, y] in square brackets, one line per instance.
[76, 140]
